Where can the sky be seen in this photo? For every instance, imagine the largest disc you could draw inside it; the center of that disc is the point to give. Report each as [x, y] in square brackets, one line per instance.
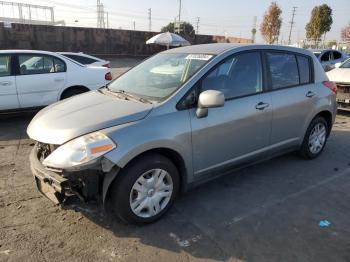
[221, 17]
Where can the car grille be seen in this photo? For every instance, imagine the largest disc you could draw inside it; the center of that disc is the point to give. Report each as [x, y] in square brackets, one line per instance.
[44, 150]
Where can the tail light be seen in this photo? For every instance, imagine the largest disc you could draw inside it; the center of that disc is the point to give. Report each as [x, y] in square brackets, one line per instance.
[108, 76]
[331, 85]
[107, 65]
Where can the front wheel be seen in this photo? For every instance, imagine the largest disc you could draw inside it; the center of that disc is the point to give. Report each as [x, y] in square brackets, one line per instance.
[145, 189]
[315, 138]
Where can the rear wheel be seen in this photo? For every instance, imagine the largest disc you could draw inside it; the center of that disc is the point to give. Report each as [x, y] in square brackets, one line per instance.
[315, 138]
[145, 189]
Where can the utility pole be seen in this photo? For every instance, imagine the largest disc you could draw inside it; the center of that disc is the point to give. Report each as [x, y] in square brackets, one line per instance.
[107, 20]
[254, 29]
[197, 25]
[150, 19]
[179, 26]
[134, 25]
[291, 24]
[100, 15]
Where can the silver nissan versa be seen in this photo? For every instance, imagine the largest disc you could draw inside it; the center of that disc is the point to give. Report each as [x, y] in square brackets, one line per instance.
[182, 117]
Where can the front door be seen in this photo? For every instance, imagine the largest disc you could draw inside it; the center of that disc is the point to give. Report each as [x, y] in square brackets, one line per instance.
[241, 128]
[8, 92]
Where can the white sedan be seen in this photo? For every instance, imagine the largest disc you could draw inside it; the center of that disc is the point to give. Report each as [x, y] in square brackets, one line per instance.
[86, 59]
[341, 76]
[31, 79]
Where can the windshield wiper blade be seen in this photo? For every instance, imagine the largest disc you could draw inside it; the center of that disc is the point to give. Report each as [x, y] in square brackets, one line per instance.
[135, 97]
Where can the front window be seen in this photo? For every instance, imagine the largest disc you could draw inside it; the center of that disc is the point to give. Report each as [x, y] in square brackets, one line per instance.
[160, 76]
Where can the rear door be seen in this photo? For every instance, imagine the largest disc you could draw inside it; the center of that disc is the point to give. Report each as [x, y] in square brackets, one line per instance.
[293, 96]
[241, 128]
[39, 79]
[8, 91]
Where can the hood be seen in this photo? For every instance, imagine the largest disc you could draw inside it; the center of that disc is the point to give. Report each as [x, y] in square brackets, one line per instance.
[341, 75]
[86, 113]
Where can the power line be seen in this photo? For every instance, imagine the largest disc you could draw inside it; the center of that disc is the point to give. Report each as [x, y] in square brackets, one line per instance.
[291, 24]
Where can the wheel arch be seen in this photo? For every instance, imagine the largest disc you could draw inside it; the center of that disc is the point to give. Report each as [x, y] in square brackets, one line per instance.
[78, 87]
[171, 154]
[327, 115]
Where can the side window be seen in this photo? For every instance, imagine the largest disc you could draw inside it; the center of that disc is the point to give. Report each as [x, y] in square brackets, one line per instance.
[304, 69]
[283, 69]
[35, 64]
[82, 59]
[336, 55]
[326, 57]
[60, 66]
[5, 65]
[237, 76]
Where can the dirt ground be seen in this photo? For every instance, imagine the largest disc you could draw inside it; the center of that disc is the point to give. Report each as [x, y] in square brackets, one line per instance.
[267, 212]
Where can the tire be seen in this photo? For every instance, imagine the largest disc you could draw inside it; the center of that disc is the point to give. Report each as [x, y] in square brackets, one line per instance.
[124, 195]
[72, 92]
[307, 150]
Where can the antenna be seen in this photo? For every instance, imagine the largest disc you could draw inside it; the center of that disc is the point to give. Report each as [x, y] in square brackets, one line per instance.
[291, 24]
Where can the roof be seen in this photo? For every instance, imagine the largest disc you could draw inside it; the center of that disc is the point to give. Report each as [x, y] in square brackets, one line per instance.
[213, 49]
[26, 51]
[219, 48]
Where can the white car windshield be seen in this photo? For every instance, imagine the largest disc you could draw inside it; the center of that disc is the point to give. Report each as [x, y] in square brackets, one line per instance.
[160, 76]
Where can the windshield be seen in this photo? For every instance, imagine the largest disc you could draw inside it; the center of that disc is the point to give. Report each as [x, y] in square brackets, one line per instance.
[346, 64]
[158, 77]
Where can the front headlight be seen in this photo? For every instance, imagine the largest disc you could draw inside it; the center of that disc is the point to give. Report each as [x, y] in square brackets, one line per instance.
[79, 151]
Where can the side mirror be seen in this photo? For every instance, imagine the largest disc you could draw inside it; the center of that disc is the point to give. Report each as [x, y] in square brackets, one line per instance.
[337, 65]
[209, 99]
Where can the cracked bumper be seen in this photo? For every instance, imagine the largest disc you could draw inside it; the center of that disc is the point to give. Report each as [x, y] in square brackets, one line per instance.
[90, 183]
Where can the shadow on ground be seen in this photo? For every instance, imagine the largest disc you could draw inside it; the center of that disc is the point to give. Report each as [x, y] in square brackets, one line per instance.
[266, 212]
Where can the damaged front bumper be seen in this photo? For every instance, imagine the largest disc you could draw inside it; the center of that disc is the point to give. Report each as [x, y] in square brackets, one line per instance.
[87, 183]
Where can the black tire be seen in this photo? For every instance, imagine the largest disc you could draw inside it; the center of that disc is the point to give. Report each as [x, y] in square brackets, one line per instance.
[122, 186]
[305, 148]
[72, 92]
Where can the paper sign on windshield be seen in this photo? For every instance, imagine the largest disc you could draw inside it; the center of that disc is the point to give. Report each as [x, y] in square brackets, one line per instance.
[199, 57]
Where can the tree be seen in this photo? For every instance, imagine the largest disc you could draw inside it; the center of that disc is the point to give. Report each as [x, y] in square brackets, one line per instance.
[320, 23]
[186, 28]
[345, 33]
[271, 24]
[331, 43]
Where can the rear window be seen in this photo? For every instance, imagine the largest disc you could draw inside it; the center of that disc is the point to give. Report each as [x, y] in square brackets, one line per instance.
[82, 59]
[336, 55]
[304, 69]
[283, 69]
[5, 65]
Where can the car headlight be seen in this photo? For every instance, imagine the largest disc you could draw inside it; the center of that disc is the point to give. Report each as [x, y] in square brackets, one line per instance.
[80, 151]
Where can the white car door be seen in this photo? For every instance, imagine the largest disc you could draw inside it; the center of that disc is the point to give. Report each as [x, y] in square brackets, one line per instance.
[40, 79]
[8, 92]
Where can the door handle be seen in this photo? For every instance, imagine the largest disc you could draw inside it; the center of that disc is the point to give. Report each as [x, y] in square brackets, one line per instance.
[6, 83]
[59, 79]
[310, 94]
[262, 106]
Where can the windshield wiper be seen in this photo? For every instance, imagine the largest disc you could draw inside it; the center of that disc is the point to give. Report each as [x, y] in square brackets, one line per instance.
[129, 95]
